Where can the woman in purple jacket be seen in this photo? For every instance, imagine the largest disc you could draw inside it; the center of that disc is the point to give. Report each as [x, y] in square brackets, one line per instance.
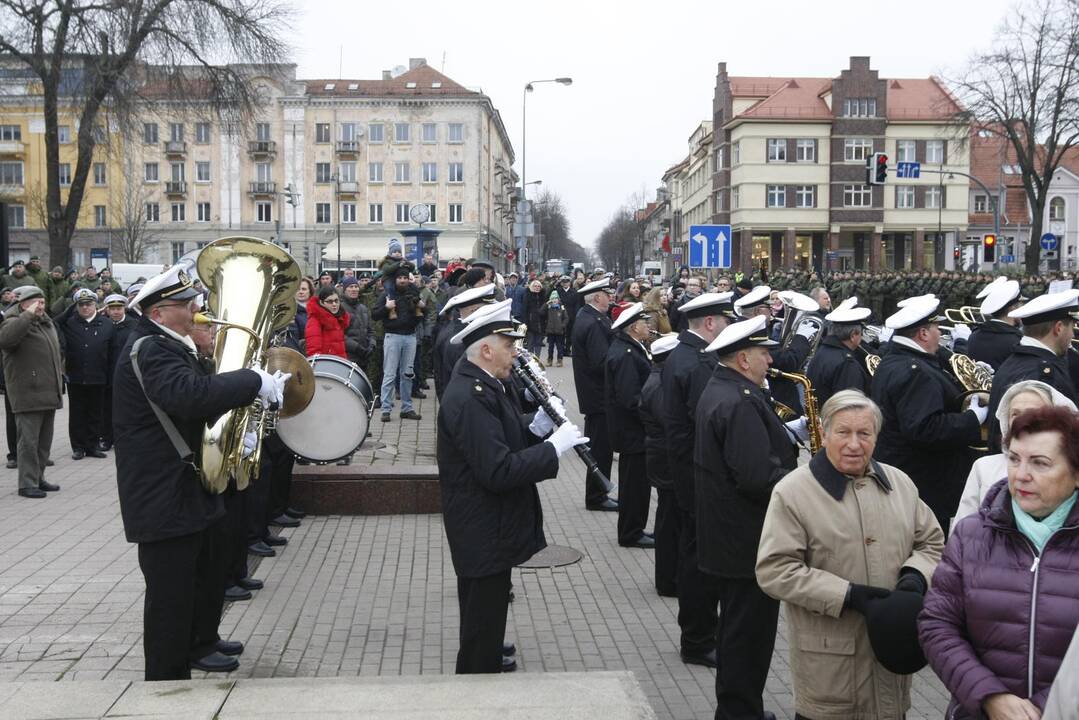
[1005, 597]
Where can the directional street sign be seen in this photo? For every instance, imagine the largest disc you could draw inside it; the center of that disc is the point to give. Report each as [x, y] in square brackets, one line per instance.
[1049, 242]
[1007, 258]
[710, 246]
[908, 170]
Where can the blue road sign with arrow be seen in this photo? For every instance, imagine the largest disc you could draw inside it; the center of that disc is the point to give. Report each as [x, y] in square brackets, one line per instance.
[710, 246]
[1049, 242]
[908, 170]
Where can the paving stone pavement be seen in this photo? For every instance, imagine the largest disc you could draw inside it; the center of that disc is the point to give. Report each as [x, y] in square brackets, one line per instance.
[353, 595]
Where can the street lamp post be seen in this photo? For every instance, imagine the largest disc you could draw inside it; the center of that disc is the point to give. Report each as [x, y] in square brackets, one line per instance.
[524, 135]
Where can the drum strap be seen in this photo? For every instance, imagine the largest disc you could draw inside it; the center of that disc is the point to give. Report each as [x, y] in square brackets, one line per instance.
[167, 424]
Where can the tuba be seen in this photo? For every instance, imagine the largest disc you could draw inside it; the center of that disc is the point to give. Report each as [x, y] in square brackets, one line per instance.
[799, 308]
[252, 286]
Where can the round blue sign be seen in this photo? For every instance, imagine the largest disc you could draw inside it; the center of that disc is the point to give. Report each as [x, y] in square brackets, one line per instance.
[1049, 241]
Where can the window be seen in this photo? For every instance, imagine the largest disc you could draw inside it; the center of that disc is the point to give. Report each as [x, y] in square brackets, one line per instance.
[905, 151]
[149, 172]
[202, 171]
[777, 196]
[10, 173]
[16, 216]
[904, 196]
[857, 196]
[400, 133]
[805, 196]
[264, 172]
[402, 172]
[10, 132]
[322, 213]
[981, 204]
[99, 174]
[179, 212]
[933, 197]
[65, 173]
[433, 215]
[374, 133]
[457, 172]
[805, 150]
[736, 197]
[717, 160]
[934, 152]
[177, 171]
[430, 172]
[456, 213]
[430, 132]
[348, 212]
[322, 172]
[857, 149]
[1056, 209]
[153, 212]
[860, 107]
[202, 133]
[374, 213]
[736, 153]
[149, 133]
[203, 210]
[1012, 169]
[63, 134]
[348, 132]
[456, 133]
[374, 172]
[347, 172]
[402, 212]
[99, 216]
[322, 132]
[262, 132]
[179, 249]
[777, 150]
[176, 132]
[263, 212]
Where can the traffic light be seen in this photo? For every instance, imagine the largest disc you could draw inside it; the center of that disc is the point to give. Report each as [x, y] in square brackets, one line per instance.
[989, 248]
[292, 197]
[876, 170]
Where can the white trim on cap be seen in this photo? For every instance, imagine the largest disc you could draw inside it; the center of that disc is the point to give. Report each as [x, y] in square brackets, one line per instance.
[1000, 296]
[736, 332]
[603, 283]
[756, 296]
[915, 312]
[466, 296]
[1047, 303]
[848, 315]
[664, 344]
[706, 300]
[628, 316]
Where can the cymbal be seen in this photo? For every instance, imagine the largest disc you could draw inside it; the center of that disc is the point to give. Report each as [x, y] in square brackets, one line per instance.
[300, 388]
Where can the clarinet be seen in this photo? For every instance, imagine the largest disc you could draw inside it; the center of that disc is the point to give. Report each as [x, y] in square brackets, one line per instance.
[522, 371]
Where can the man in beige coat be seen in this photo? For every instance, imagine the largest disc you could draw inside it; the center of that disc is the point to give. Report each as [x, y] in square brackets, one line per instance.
[840, 532]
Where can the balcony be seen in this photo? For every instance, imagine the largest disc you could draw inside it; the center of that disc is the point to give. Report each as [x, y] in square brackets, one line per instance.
[12, 190]
[175, 187]
[261, 148]
[348, 188]
[175, 147]
[347, 147]
[12, 147]
[262, 188]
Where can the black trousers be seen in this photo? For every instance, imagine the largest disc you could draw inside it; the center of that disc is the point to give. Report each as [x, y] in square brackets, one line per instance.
[697, 596]
[106, 416]
[484, 603]
[234, 553]
[667, 531]
[595, 429]
[257, 506]
[86, 414]
[280, 476]
[634, 494]
[745, 638]
[185, 589]
[12, 436]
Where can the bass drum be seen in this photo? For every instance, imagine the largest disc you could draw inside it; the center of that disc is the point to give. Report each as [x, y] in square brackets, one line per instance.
[334, 424]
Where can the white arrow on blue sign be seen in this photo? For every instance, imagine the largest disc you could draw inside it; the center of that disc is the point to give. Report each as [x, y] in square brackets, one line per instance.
[908, 170]
[710, 246]
[1049, 242]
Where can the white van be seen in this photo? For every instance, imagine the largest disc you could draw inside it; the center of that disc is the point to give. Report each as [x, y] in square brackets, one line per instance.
[652, 270]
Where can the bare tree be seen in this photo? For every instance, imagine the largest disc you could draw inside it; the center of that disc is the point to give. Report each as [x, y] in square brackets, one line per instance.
[551, 220]
[1026, 90]
[618, 241]
[136, 234]
[100, 60]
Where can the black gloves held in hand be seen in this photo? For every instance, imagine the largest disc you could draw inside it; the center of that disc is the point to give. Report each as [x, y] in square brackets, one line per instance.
[912, 581]
[858, 596]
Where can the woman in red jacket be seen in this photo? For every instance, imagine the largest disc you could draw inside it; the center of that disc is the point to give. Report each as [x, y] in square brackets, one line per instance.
[326, 324]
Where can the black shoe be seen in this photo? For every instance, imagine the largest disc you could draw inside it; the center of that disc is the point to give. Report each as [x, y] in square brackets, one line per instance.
[410, 415]
[607, 505]
[508, 649]
[642, 542]
[301, 461]
[385, 417]
[215, 662]
[285, 521]
[95, 453]
[261, 549]
[49, 463]
[768, 715]
[419, 394]
[104, 446]
[667, 590]
[47, 486]
[424, 385]
[235, 593]
[294, 513]
[378, 403]
[508, 664]
[31, 493]
[275, 540]
[12, 464]
[707, 659]
[250, 583]
[230, 647]
[77, 454]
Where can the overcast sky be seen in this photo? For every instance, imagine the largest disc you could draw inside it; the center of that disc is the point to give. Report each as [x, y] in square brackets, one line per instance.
[643, 73]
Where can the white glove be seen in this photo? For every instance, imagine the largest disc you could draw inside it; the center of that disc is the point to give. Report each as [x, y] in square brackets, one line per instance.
[566, 436]
[541, 423]
[806, 329]
[980, 411]
[798, 429]
[273, 386]
[985, 366]
[961, 332]
[885, 334]
[250, 441]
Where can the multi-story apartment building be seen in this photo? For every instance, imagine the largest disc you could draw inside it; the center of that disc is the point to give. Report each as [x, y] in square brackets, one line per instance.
[790, 157]
[689, 185]
[357, 154]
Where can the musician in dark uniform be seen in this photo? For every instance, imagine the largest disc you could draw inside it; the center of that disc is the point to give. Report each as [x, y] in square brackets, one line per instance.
[490, 458]
[668, 524]
[1042, 353]
[995, 339]
[591, 339]
[684, 376]
[789, 359]
[459, 307]
[742, 451]
[925, 434]
[626, 368]
[838, 363]
[159, 420]
[123, 322]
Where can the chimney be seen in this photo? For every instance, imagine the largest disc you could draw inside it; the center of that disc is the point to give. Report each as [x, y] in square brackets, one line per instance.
[860, 62]
[387, 75]
[414, 63]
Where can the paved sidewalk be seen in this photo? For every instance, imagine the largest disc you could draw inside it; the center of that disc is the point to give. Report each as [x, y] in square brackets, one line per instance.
[354, 595]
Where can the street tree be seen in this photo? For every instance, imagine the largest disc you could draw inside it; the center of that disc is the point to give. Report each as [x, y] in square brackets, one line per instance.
[618, 242]
[1025, 89]
[552, 222]
[136, 234]
[101, 61]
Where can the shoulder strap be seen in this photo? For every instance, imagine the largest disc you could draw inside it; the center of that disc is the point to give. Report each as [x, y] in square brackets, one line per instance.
[167, 424]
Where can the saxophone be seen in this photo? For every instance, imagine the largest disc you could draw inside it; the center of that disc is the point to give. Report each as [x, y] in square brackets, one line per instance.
[812, 412]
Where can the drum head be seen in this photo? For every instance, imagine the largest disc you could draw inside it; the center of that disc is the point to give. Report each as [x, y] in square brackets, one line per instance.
[335, 423]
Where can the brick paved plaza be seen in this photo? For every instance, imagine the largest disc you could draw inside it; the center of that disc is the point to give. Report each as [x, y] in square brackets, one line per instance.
[352, 595]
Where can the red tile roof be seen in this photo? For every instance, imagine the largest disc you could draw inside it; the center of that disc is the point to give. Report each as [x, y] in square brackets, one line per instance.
[920, 99]
[988, 156]
[796, 98]
[419, 81]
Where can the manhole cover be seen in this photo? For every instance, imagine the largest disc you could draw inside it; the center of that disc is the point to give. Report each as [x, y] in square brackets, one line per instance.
[553, 556]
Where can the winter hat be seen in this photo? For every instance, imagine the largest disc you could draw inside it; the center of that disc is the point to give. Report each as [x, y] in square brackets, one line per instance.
[349, 281]
[892, 625]
[553, 297]
[395, 246]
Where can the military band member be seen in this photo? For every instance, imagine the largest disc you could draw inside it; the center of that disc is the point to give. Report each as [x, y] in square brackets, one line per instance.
[838, 363]
[122, 325]
[490, 458]
[163, 400]
[995, 339]
[446, 355]
[742, 451]
[925, 434]
[790, 359]
[626, 368]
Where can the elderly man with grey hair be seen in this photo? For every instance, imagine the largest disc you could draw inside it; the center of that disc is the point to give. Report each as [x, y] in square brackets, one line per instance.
[842, 535]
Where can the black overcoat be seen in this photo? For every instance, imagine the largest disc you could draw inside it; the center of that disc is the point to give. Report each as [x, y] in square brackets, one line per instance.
[591, 339]
[685, 374]
[1027, 363]
[992, 342]
[626, 369]
[835, 367]
[655, 438]
[89, 347]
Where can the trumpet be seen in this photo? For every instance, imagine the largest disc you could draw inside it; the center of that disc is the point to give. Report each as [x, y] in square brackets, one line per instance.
[967, 315]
